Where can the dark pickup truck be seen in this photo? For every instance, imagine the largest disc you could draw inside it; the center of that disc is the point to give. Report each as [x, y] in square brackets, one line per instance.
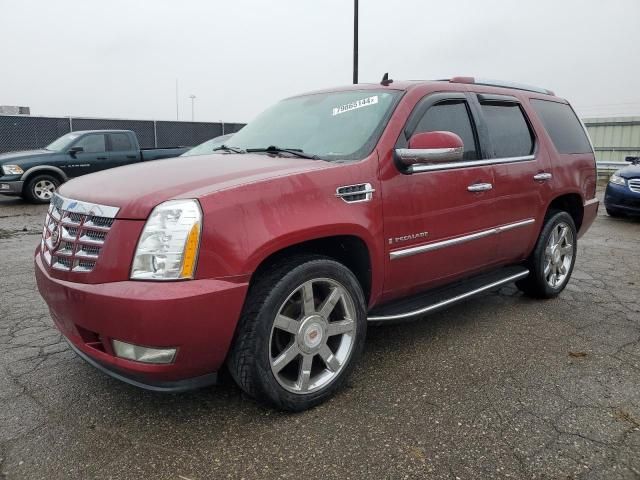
[36, 174]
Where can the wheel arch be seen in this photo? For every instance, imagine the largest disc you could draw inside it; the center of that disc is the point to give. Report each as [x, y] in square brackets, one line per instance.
[349, 249]
[50, 169]
[570, 202]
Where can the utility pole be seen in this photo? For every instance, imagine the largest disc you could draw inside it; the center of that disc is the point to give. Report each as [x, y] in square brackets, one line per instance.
[355, 41]
[192, 97]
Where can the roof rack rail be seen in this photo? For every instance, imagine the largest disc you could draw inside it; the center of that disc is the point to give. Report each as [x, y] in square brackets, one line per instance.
[499, 83]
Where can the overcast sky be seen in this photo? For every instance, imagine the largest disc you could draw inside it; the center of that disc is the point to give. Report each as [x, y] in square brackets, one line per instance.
[121, 58]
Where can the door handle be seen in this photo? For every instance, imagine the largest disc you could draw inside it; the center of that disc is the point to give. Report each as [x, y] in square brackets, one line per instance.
[479, 187]
[543, 176]
[101, 158]
[131, 157]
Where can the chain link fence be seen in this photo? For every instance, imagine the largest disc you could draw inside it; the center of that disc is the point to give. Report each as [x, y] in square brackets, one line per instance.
[21, 132]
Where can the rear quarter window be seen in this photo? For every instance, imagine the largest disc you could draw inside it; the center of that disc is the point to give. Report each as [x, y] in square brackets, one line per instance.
[563, 126]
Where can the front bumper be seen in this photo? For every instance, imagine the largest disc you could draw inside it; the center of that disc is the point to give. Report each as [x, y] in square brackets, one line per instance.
[197, 317]
[11, 187]
[621, 198]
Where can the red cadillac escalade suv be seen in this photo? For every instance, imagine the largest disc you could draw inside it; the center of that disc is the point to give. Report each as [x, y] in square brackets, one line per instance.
[330, 211]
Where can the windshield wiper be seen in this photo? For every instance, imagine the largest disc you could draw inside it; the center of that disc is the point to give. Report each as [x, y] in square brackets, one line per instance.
[229, 149]
[293, 151]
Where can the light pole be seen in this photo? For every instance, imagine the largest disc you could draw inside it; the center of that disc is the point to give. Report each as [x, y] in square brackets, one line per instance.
[355, 41]
[192, 97]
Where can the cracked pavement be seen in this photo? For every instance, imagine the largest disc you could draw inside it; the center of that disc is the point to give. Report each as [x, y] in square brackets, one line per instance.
[501, 386]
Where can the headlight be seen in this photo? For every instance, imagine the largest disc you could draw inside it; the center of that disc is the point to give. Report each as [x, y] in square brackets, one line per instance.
[12, 170]
[169, 243]
[617, 180]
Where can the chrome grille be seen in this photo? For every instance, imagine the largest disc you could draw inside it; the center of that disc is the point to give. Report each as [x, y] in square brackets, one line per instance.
[74, 233]
[634, 185]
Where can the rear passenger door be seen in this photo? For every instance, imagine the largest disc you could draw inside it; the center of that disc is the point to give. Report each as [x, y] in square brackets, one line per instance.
[122, 151]
[521, 171]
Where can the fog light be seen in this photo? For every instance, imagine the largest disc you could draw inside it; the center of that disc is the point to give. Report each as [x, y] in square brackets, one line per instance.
[143, 354]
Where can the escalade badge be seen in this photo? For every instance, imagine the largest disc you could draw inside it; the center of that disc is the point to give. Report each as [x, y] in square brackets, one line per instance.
[406, 238]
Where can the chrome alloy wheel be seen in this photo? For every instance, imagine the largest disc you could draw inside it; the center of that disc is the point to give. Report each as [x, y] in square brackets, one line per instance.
[558, 255]
[44, 189]
[312, 336]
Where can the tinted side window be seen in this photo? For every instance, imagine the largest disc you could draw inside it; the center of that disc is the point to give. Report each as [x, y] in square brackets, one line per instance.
[91, 143]
[120, 142]
[563, 126]
[451, 116]
[509, 131]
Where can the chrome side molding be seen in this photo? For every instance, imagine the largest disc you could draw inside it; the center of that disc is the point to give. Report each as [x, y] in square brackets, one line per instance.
[467, 164]
[407, 252]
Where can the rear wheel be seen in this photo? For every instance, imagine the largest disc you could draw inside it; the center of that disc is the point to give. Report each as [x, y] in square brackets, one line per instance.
[301, 332]
[553, 258]
[40, 188]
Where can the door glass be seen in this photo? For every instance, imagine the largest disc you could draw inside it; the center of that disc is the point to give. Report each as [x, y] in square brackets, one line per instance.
[451, 116]
[508, 129]
[91, 143]
[120, 142]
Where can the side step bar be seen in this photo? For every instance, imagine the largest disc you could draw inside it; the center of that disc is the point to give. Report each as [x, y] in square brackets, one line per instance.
[443, 297]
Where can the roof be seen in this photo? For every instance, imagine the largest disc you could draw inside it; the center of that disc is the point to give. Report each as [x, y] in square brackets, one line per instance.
[409, 84]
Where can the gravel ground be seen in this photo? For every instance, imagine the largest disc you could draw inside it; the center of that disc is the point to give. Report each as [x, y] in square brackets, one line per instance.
[498, 387]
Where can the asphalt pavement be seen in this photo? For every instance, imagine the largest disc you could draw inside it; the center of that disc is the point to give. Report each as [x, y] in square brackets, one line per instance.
[501, 386]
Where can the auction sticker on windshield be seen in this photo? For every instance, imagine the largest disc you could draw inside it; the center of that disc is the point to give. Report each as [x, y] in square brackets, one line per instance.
[365, 102]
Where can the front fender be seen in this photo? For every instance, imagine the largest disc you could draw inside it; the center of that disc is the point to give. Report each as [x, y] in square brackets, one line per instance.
[42, 168]
[244, 226]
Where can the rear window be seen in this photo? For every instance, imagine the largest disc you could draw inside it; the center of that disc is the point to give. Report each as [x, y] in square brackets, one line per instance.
[509, 131]
[120, 142]
[563, 126]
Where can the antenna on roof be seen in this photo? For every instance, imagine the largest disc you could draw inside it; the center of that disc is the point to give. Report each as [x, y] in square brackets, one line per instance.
[386, 81]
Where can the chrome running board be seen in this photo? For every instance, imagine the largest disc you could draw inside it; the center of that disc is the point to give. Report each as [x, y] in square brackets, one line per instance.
[428, 302]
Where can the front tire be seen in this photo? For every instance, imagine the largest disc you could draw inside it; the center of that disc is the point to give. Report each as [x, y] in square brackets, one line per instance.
[40, 188]
[301, 332]
[553, 257]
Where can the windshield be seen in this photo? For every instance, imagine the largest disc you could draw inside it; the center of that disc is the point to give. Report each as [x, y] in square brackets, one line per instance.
[332, 126]
[206, 147]
[62, 143]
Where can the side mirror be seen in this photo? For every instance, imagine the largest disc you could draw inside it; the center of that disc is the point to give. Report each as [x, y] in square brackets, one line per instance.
[73, 150]
[431, 147]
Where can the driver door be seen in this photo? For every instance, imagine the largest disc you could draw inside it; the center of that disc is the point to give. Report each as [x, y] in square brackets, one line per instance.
[436, 217]
[94, 151]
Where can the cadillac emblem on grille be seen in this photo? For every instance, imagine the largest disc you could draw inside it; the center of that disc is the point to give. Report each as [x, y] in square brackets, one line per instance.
[74, 234]
[56, 237]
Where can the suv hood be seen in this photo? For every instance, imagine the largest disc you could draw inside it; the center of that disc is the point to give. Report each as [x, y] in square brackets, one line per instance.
[137, 189]
[13, 156]
[632, 171]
